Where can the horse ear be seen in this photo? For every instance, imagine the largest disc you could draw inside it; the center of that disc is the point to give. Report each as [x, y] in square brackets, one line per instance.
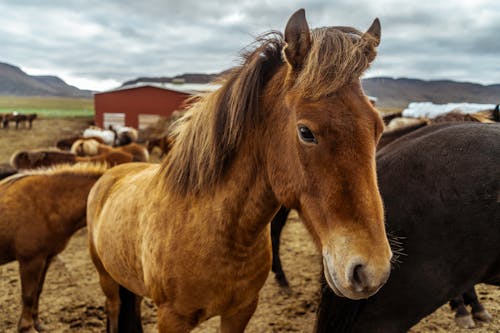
[298, 40]
[374, 33]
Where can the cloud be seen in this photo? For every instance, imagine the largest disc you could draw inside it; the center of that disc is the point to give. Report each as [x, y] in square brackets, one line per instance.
[100, 43]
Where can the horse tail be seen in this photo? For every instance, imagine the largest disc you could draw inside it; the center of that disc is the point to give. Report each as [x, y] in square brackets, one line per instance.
[129, 320]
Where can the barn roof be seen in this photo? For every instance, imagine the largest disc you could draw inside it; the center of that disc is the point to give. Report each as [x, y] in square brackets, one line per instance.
[185, 88]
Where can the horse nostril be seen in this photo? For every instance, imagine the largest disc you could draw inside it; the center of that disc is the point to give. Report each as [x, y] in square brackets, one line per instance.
[358, 277]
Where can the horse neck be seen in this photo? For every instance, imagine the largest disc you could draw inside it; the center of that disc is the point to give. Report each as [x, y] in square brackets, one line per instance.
[245, 199]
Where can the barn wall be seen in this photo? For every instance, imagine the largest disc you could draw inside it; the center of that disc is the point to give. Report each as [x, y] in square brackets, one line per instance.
[136, 101]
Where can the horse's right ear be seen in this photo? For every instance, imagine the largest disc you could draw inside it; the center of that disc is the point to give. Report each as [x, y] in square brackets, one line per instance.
[298, 40]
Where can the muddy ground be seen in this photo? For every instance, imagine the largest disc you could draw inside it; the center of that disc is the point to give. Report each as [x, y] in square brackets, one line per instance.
[72, 301]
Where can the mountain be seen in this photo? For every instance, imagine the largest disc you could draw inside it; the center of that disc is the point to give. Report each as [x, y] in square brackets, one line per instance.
[390, 92]
[399, 92]
[13, 81]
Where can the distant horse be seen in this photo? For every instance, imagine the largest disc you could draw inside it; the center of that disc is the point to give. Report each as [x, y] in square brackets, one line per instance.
[67, 143]
[6, 118]
[124, 135]
[460, 116]
[38, 158]
[6, 170]
[108, 136]
[93, 148]
[441, 187]
[40, 212]
[192, 233]
[163, 143]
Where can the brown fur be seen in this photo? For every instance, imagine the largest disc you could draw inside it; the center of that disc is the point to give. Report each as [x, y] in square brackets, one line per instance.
[93, 148]
[459, 116]
[40, 158]
[67, 143]
[192, 234]
[163, 143]
[40, 211]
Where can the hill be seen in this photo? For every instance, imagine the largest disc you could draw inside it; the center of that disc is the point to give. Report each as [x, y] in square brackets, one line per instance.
[392, 93]
[399, 92]
[15, 82]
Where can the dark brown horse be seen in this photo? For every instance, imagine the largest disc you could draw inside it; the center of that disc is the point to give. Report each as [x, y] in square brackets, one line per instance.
[441, 191]
[291, 125]
[40, 211]
[39, 158]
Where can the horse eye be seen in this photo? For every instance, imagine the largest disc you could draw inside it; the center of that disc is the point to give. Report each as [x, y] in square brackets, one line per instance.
[306, 135]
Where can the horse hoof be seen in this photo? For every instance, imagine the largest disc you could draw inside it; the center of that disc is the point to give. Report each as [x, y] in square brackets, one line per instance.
[483, 316]
[465, 321]
[282, 281]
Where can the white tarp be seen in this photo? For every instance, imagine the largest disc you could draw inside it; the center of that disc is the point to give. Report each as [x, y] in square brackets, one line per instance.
[431, 110]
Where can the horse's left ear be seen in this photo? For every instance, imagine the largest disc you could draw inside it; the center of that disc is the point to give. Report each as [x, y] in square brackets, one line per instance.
[298, 40]
[374, 33]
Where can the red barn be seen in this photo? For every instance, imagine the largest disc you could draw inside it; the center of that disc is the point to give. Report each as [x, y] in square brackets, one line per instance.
[141, 105]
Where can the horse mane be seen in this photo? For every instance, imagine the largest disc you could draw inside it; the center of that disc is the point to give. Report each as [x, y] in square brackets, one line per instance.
[210, 132]
[85, 169]
[211, 129]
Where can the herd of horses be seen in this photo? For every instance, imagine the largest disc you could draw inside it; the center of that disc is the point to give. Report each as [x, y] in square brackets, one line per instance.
[401, 230]
[18, 119]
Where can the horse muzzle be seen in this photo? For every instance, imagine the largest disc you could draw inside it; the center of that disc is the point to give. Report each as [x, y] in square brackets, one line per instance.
[357, 278]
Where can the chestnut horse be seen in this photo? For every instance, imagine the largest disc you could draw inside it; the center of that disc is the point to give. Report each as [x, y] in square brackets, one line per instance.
[90, 147]
[441, 191]
[40, 211]
[290, 126]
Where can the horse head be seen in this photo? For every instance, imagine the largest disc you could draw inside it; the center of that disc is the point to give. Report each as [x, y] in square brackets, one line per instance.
[323, 151]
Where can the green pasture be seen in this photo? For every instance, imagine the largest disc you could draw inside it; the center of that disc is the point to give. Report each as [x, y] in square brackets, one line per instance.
[52, 107]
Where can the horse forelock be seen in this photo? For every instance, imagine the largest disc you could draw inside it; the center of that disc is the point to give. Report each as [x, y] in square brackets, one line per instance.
[337, 57]
[211, 130]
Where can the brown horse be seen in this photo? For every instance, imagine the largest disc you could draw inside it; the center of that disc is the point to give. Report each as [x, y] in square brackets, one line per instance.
[40, 211]
[163, 143]
[67, 143]
[89, 147]
[39, 158]
[193, 232]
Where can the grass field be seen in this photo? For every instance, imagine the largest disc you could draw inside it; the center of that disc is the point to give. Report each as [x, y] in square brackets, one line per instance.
[50, 107]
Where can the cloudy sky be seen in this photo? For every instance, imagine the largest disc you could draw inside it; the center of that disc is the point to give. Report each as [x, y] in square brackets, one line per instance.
[98, 44]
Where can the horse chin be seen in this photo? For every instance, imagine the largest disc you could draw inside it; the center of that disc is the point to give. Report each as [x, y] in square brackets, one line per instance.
[329, 280]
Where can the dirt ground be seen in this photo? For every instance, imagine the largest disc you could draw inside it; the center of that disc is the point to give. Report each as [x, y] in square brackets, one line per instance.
[72, 301]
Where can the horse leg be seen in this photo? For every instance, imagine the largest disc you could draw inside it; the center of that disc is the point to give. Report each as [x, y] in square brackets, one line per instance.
[462, 317]
[37, 300]
[32, 275]
[111, 290]
[277, 225]
[478, 311]
[129, 318]
[237, 322]
[171, 322]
